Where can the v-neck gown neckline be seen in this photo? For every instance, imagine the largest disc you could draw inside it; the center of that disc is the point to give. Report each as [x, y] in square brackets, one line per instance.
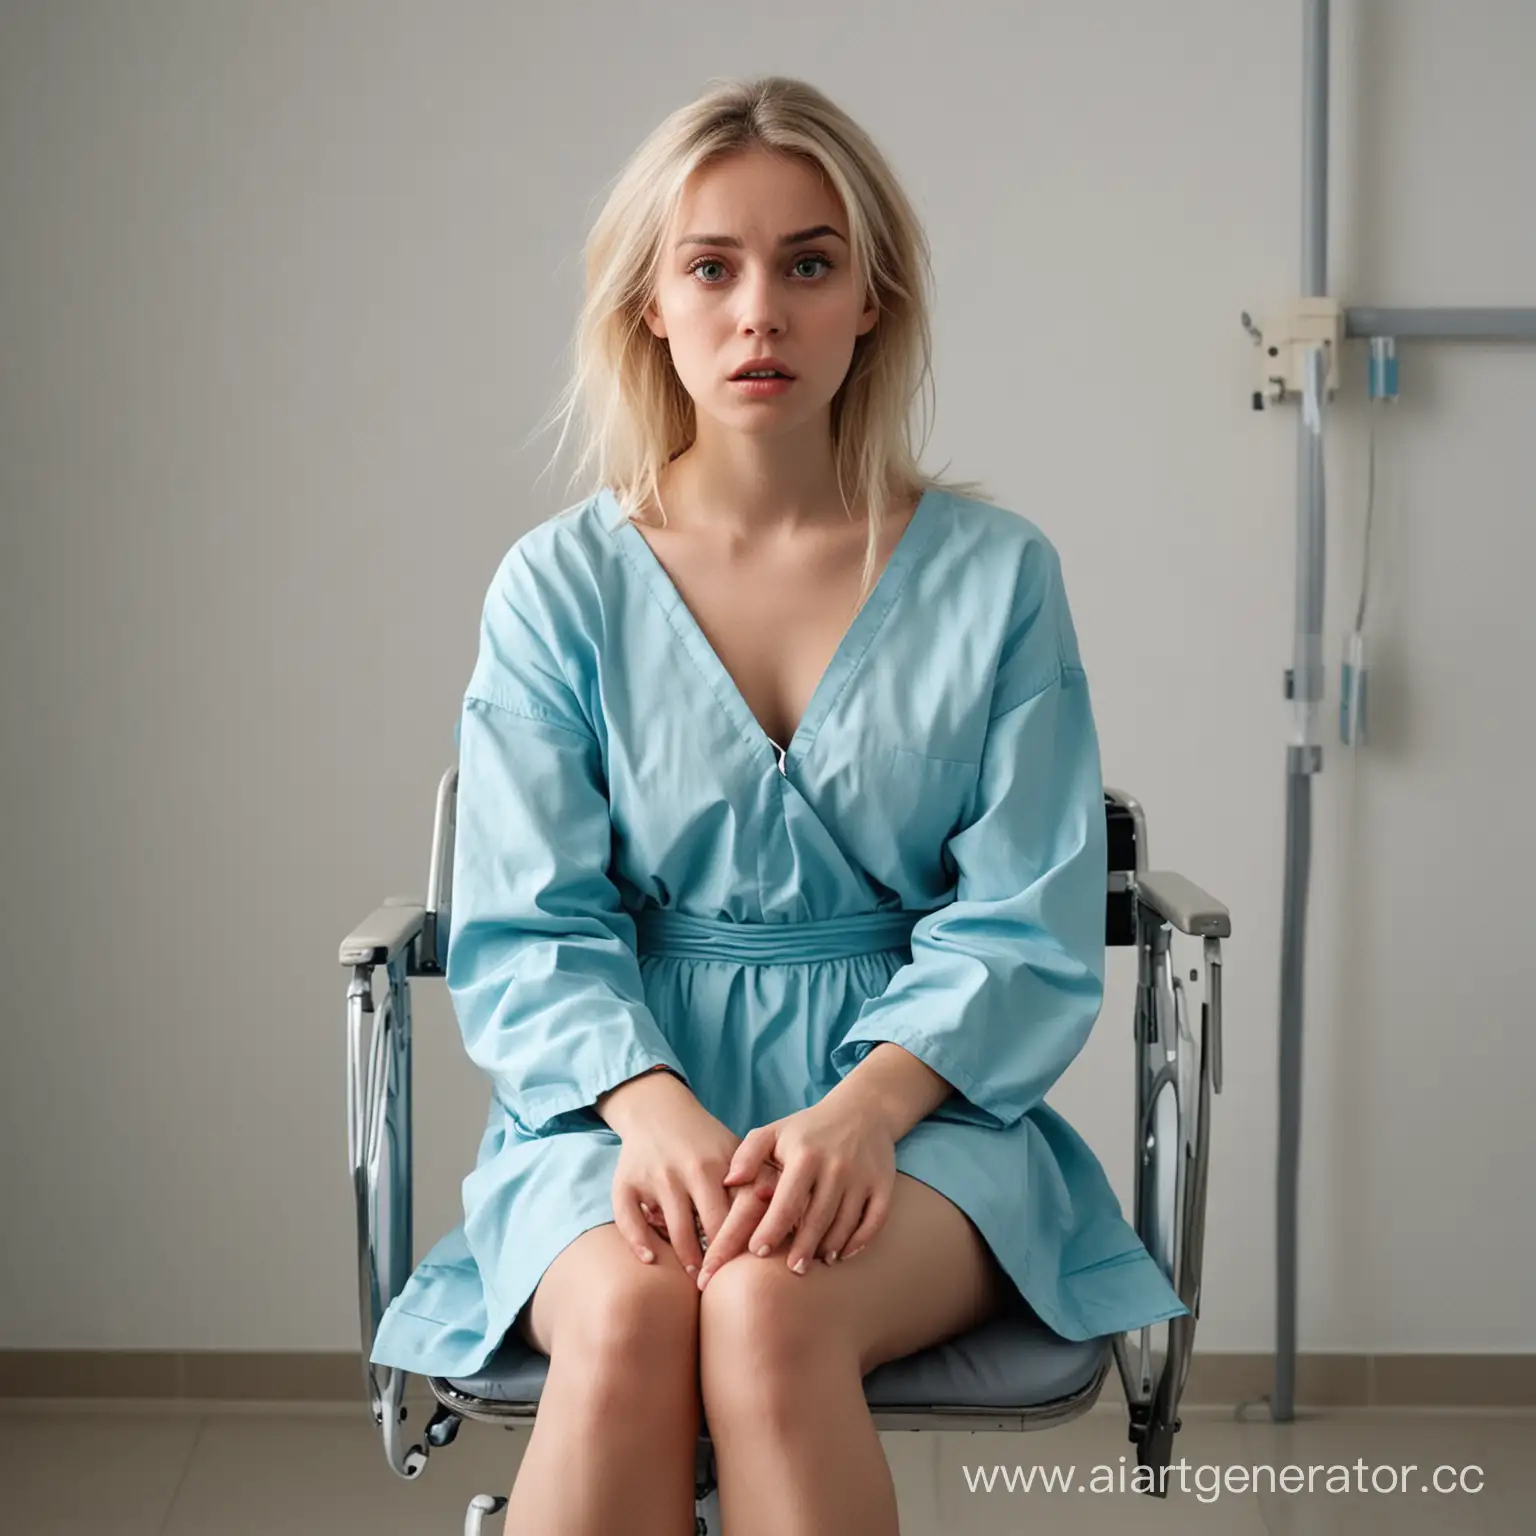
[847, 655]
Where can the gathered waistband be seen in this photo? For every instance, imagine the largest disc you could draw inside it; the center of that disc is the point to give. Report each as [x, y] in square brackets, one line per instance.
[660, 930]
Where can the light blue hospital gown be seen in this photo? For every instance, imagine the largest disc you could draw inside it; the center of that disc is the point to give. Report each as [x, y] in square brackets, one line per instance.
[639, 878]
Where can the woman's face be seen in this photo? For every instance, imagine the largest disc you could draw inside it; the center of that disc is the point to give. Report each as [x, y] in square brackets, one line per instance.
[720, 302]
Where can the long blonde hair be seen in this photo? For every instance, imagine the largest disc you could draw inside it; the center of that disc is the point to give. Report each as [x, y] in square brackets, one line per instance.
[637, 414]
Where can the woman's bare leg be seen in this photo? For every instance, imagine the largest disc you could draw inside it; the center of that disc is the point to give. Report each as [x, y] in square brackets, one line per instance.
[783, 1357]
[612, 1448]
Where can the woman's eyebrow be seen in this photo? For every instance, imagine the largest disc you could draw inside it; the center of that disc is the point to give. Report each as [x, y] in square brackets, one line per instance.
[800, 234]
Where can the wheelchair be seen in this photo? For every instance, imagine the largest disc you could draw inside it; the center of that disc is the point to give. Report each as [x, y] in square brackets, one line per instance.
[1011, 1373]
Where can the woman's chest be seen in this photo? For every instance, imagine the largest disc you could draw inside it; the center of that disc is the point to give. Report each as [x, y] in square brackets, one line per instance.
[774, 618]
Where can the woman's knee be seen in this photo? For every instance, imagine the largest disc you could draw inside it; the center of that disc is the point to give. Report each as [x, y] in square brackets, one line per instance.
[762, 1328]
[599, 1302]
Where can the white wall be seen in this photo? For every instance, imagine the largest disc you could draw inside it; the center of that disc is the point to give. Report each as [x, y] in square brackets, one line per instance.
[283, 290]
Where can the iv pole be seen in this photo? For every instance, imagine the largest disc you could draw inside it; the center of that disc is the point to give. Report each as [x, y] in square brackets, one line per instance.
[1305, 679]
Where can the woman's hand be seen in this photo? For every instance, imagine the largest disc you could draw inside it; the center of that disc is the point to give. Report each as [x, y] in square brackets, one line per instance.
[837, 1171]
[670, 1178]
[758, 1194]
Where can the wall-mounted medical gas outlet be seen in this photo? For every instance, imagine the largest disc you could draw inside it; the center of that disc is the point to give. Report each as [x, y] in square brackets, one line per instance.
[1283, 339]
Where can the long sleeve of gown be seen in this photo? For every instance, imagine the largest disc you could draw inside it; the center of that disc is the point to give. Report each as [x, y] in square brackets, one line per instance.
[541, 961]
[1005, 982]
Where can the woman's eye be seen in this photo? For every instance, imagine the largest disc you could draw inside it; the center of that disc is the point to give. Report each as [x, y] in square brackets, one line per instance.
[697, 268]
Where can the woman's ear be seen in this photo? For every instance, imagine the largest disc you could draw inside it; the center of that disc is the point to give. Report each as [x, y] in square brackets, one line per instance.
[652, 317]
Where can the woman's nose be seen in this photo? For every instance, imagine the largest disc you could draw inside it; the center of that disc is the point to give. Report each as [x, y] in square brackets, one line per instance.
[761, 307]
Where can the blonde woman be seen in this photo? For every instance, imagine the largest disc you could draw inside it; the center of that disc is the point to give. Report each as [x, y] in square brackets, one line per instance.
[779, 883]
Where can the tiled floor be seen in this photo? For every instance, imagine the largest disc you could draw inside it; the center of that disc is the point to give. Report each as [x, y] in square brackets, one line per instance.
[157, 1470]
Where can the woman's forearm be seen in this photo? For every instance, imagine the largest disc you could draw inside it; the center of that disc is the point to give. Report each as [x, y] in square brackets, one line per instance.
[620, 1105]
[896, 1086]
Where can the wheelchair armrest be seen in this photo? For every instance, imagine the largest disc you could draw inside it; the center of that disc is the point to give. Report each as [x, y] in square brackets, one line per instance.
[384, 933]
[1182, 903]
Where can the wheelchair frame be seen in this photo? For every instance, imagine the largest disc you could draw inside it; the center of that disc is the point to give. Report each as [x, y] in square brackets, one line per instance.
[1175, 1077]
